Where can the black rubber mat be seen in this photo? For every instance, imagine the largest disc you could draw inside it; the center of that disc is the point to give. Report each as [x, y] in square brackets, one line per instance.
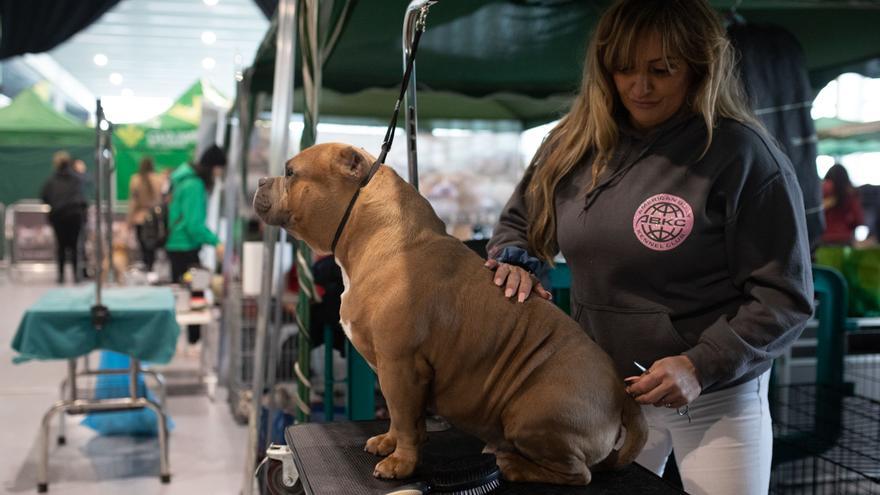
[331, 460]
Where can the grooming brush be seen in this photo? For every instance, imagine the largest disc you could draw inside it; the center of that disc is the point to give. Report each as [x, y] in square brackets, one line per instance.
[472, 475]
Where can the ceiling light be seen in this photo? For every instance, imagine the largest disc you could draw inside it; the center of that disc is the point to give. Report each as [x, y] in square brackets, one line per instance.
[100, 60]
[116, 78]
[210, 3]
[208, 63]
[208, 37]
[127, 92]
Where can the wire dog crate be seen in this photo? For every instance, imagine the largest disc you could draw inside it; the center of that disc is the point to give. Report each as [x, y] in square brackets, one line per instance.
[826, 442]
[826, 403]
[242, 352]
[862, 361]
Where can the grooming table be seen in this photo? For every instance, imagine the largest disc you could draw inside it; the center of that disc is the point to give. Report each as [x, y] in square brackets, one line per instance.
[331, 460]
[59, 326]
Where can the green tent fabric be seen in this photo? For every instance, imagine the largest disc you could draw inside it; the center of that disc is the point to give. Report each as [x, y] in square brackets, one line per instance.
[840, 137]
[31, 131]
[30, 121]
[170, 138]
[489, 49]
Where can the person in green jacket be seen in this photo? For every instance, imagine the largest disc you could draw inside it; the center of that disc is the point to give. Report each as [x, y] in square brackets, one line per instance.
[187, 232]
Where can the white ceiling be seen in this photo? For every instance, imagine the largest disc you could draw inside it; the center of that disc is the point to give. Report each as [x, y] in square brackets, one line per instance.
[156, 45]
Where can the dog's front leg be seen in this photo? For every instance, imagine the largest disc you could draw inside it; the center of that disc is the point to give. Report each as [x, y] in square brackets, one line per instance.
[405, 383]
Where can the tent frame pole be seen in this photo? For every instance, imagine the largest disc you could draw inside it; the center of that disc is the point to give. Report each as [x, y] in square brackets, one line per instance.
[231, 200]
[410, 112]
[282, 107]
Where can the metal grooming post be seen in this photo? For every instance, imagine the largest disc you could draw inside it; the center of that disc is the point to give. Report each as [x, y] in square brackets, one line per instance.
[99, 185]
[409, 102]
[282, 106]
[100, 313]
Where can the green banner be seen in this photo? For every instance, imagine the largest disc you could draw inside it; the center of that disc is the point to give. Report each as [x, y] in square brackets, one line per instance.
[170, 139]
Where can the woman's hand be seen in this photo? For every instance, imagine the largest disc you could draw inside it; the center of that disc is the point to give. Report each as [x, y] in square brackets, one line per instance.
[669, 382]
[516, 280]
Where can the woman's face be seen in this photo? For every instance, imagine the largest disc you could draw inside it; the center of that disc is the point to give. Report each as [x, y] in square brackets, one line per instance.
[651, 91]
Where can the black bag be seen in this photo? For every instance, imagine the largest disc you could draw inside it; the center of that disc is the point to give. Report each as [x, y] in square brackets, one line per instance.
[154, 230]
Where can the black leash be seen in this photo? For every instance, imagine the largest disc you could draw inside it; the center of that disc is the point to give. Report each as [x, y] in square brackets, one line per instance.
[389, 133]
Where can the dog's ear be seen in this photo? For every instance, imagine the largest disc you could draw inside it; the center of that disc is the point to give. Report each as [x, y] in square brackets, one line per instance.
[353, 165]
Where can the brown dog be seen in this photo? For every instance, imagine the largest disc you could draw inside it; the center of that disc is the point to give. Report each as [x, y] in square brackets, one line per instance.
[424, 312]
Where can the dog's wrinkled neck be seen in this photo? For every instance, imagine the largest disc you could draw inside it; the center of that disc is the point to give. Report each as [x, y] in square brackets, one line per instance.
[389, 216]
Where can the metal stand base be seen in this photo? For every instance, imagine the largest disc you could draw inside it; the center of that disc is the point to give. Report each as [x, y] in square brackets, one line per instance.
[73, 405]
[157, 377]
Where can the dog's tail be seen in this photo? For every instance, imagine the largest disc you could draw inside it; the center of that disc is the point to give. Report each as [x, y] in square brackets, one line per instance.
[634, 428]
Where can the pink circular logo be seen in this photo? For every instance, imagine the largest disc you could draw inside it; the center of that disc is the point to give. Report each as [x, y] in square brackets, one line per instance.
[663, 222]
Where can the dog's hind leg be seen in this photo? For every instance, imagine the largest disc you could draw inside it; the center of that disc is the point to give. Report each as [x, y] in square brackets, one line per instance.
[515, 467]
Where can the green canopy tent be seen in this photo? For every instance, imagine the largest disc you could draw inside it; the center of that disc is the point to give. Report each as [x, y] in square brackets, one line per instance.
[170, 138]
[840, 137]
[31, 131]
[515, 60]
[521, 60]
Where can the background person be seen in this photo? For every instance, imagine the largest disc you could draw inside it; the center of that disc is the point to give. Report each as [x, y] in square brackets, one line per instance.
[63, 192]
[144, 195]
[88, 188]
[843, 207]
[684, 229]
[187, 212]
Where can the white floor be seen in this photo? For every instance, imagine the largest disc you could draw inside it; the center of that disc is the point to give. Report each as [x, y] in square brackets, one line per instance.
[206, 447]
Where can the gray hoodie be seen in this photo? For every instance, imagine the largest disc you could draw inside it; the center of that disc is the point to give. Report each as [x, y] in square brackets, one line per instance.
[673, 253]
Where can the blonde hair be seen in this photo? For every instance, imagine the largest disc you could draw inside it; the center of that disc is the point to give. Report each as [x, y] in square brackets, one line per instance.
[688, 29]
[61, 159]
[145, 170]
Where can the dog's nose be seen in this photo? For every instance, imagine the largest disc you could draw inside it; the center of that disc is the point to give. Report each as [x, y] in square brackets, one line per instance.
[263, 181]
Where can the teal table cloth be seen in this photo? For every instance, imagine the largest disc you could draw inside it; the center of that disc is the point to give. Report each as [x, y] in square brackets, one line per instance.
[142, 324]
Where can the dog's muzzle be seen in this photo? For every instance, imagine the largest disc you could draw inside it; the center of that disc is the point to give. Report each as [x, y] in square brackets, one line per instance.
[263, 201]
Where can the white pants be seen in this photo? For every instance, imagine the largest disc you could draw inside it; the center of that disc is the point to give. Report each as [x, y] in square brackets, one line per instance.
[725, 449]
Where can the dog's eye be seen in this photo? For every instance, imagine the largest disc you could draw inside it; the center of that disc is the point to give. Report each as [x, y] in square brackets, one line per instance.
[288, 172]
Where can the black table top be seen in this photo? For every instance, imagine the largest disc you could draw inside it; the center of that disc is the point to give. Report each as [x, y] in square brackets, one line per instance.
[331, 461]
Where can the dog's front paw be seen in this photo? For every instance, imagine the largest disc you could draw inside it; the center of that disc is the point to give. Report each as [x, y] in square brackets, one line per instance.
[395, 466]
[383, 444]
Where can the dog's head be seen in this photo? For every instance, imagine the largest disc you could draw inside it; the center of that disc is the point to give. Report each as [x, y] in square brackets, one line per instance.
[310, 199]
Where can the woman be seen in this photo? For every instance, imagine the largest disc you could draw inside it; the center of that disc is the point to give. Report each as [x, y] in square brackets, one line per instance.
[187, 211]
[187, 231]
[684, 229]
[144, 195]
[843, 207]
[63, 192]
